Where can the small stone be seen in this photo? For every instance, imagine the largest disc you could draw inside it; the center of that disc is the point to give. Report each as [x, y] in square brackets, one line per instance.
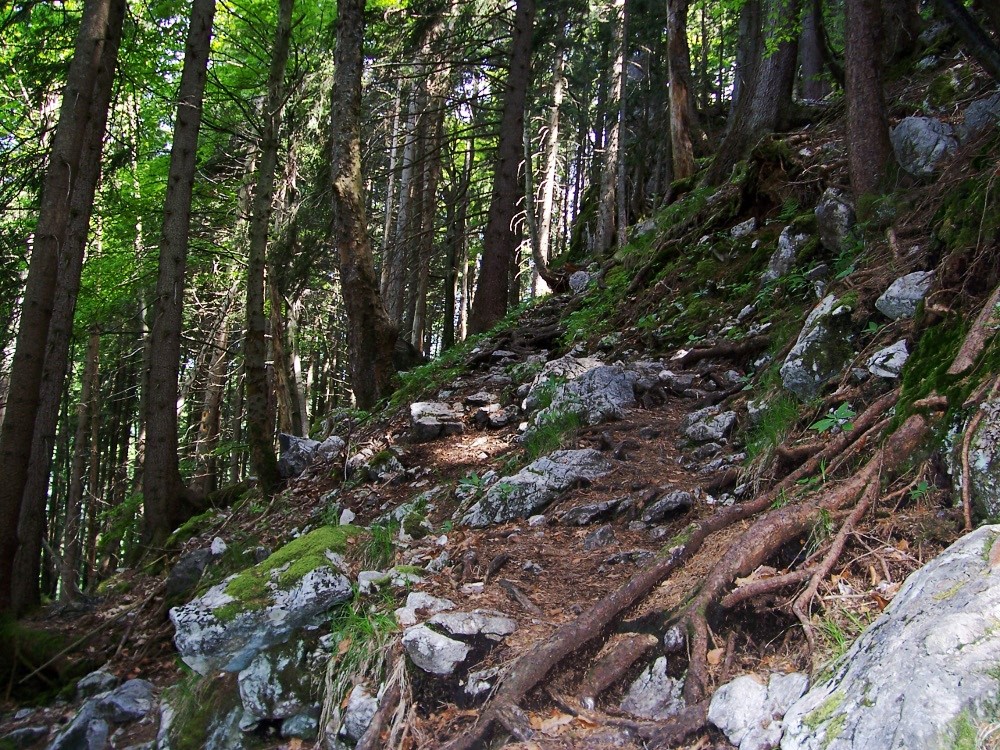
[358, 713]
[744, 228]
[889, 362]
[670, 503]
[578, 281]
[433, 652]
[538, 520]
[598, 538]
[654, 694]
[904, 294]
[347, 516]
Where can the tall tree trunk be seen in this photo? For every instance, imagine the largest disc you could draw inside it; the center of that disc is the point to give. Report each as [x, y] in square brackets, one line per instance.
[605, 233]
[681, 104]
[164, 494]
[425, 244]
[24, 390]
[900, 28]
[85, 410]
[393, 286]
[765, 91]
[974, 38]
[206, 460]
[812, 83]
[868, 146]
[371, 333]
[500, 238]
[259, 430]
[31, 523]
[541, 249]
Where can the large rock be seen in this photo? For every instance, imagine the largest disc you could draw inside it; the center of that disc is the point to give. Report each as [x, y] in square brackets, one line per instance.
[921, 142]
[433, 652]
[889, 362]
[562, 369]
[430, 420]
[296, 454]
[710, 423]
[984, 462]
[451, 640]
[90, 728]
[919, 669]
[224, 629]
[903, 295]
[654, 694]
[477, 624]
[331, 448]
[790, 242]
[749, 712]
[277, 684]
[419, 605]
[671, 502]
[980, 116]
[835, 219]
[358, 714]
[536, 485]
[598, 395]
[820, 351]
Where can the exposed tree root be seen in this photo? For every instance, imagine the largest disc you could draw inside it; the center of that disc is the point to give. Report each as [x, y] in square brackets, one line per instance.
[613, 665]
[726, 350]
[532, 666]
[977, 336]
[762, 587]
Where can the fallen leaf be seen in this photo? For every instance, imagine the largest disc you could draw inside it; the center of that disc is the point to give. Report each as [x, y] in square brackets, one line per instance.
[343, 647]
[556, 724]
[715, 656]
[902, 545]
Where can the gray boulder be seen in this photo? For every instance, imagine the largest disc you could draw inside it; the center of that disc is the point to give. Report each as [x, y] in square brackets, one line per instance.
[296, 454]
[563, 368]
[331, 448]
[90, 728]
[358, 714]
[900, 300]
[598, 395]
[277, 683]
[654, 694]
[98, 681]
[820, 351]
[420, 604]
[980, 116]
[984, 462]
[710, 423]
[477, 624]
[583, 515]
[578, 281]
[749, 712]
[599, 537]
[23, 737]
[744, 228]
[216, 632]
[670, 503]
[921, 668]
[835, 219]
[535, 486]
[921, 143]
[430, 420]
[184, 577]
[433, 652]
[790, 242]
[889, 362]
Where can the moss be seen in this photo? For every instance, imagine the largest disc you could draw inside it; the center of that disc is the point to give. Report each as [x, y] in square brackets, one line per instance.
[413, 524]
[190, 528]
[295, 560]
[413, 570]
[24, 650]
[834, 729]
[198, 703]
[825, 711]
[678, 540]
[962, 733]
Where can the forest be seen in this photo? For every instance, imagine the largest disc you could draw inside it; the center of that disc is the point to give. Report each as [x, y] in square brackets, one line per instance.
[225, 220]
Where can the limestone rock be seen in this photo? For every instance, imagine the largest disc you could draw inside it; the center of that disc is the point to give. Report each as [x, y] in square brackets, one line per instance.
[980, 116]
[565, 368]
[578, 281]
[820, 351]
[921, 142]
[98, 681]
[923, 664]
[670, 503]
[183, 578]
[209, 642]
[296, 454]
[479, 623]
[744, 228]
[900, 300]
[358, 714]
[602, 393]
[710, 423]
[599, 537]
[430, 420]
[583, 515]
[749, 712]
[433, 652]
[276, 684]
[90, 728]
[654, 694]
[790, 242]
[23, 737]
[984, 462]
[835, 219]
[535, 486]
[420, 604]
[889, 362]
[331, 448]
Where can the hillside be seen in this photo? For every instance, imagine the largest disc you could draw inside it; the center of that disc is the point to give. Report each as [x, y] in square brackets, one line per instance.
[721, 452]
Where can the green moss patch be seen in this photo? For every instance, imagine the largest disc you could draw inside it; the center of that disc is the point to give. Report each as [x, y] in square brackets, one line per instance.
[301, 556]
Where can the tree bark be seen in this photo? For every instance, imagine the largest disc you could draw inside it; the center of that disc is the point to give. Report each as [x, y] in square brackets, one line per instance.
[371, 333]
[24, 390]
[812, 84]
[500, 238]
[681, 106]
[605, 233]
[976, 41]
[164, 494]
[543, 251]
[869, 148]
[31, 523]
[260, 437]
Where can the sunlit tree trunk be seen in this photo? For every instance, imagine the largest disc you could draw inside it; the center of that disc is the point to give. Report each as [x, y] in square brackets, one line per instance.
[605, 233]
[681, 104]
[164, 494]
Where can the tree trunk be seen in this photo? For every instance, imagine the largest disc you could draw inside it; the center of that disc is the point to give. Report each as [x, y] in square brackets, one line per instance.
[371, 333]
[164, 494]
[681, 105]
[901, 29]
[206, 461]
[542, 250]
[976, 41]
[764, 94]
[259, 431]
[812, 83]
[425, 243]
[393, 286]
[605, 233]
[868, 145]
[31, 523]
[500, 238]
[55, 215]
[85, 411]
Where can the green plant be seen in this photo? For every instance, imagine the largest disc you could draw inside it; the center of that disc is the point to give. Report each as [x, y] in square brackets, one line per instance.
[840, 417]
[550, 432]
[920, 490]
[773, 426]
[379, 551]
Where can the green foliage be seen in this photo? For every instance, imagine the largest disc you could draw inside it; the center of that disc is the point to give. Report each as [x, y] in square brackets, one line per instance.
[23, 650]
[776, 422]
[550, 432]
[840, 417]
[379, 551]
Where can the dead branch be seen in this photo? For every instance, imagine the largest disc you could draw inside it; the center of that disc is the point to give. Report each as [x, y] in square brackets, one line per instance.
[801, 604]
[726, 350]
[372, 738]
[520, 597]
[763, 586]
[977, 336]
[615, 663]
